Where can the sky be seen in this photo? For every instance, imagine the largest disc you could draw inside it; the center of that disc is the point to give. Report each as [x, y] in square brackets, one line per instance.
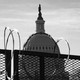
[62, 20]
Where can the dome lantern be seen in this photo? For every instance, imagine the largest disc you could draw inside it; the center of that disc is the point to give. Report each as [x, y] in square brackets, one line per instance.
[40, 22]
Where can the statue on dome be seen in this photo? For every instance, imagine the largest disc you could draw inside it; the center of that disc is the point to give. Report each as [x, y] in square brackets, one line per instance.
[39, 9]
[40, 14]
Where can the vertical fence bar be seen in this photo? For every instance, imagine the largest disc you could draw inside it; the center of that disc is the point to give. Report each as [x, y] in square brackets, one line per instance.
[8, 62]
[16, 65]
[41, 67]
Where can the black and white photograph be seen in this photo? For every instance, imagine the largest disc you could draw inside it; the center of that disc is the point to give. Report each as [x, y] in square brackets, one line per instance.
[39, 39]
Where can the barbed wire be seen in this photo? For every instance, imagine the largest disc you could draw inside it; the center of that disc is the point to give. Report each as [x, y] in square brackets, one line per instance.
[67, 60]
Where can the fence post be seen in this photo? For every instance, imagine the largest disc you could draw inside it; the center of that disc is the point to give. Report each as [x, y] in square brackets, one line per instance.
[41, 67]
[15, 66]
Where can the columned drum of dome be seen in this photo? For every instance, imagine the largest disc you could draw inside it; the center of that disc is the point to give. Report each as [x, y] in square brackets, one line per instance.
[41, 41]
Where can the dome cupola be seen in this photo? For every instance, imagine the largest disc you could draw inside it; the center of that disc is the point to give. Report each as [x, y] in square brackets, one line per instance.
[40, 22]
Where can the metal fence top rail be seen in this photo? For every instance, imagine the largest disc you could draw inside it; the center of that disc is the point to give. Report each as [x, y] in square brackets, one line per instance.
[3, 51]
[43, 54]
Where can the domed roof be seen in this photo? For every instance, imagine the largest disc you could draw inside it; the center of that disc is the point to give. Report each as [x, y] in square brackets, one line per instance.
[41, 42]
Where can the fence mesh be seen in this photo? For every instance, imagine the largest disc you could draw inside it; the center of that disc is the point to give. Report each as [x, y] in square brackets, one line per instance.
[40, 66]
[53, 68]
[29, 67]
[5, 67]
[2, 67]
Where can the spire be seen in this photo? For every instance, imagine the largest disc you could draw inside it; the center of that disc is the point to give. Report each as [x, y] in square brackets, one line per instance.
[40, 14]
[40, 22]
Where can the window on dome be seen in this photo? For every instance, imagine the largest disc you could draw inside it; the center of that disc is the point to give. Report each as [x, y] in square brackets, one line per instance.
[49, 48]
[43, 47]
[33, 48]
[39, 47]
[36, 48]
[46, 47]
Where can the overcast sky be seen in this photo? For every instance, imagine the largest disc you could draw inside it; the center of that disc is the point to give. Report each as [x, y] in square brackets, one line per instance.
[62, 20]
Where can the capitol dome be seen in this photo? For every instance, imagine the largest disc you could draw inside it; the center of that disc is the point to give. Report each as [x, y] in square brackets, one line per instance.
[41, 41]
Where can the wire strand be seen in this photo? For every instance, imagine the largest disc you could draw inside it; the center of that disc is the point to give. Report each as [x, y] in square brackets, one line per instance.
[68, 51]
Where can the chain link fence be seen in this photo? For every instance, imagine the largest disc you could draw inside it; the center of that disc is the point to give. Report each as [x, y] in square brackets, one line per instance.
[39, 66]
[46, 66]
[5, 64]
